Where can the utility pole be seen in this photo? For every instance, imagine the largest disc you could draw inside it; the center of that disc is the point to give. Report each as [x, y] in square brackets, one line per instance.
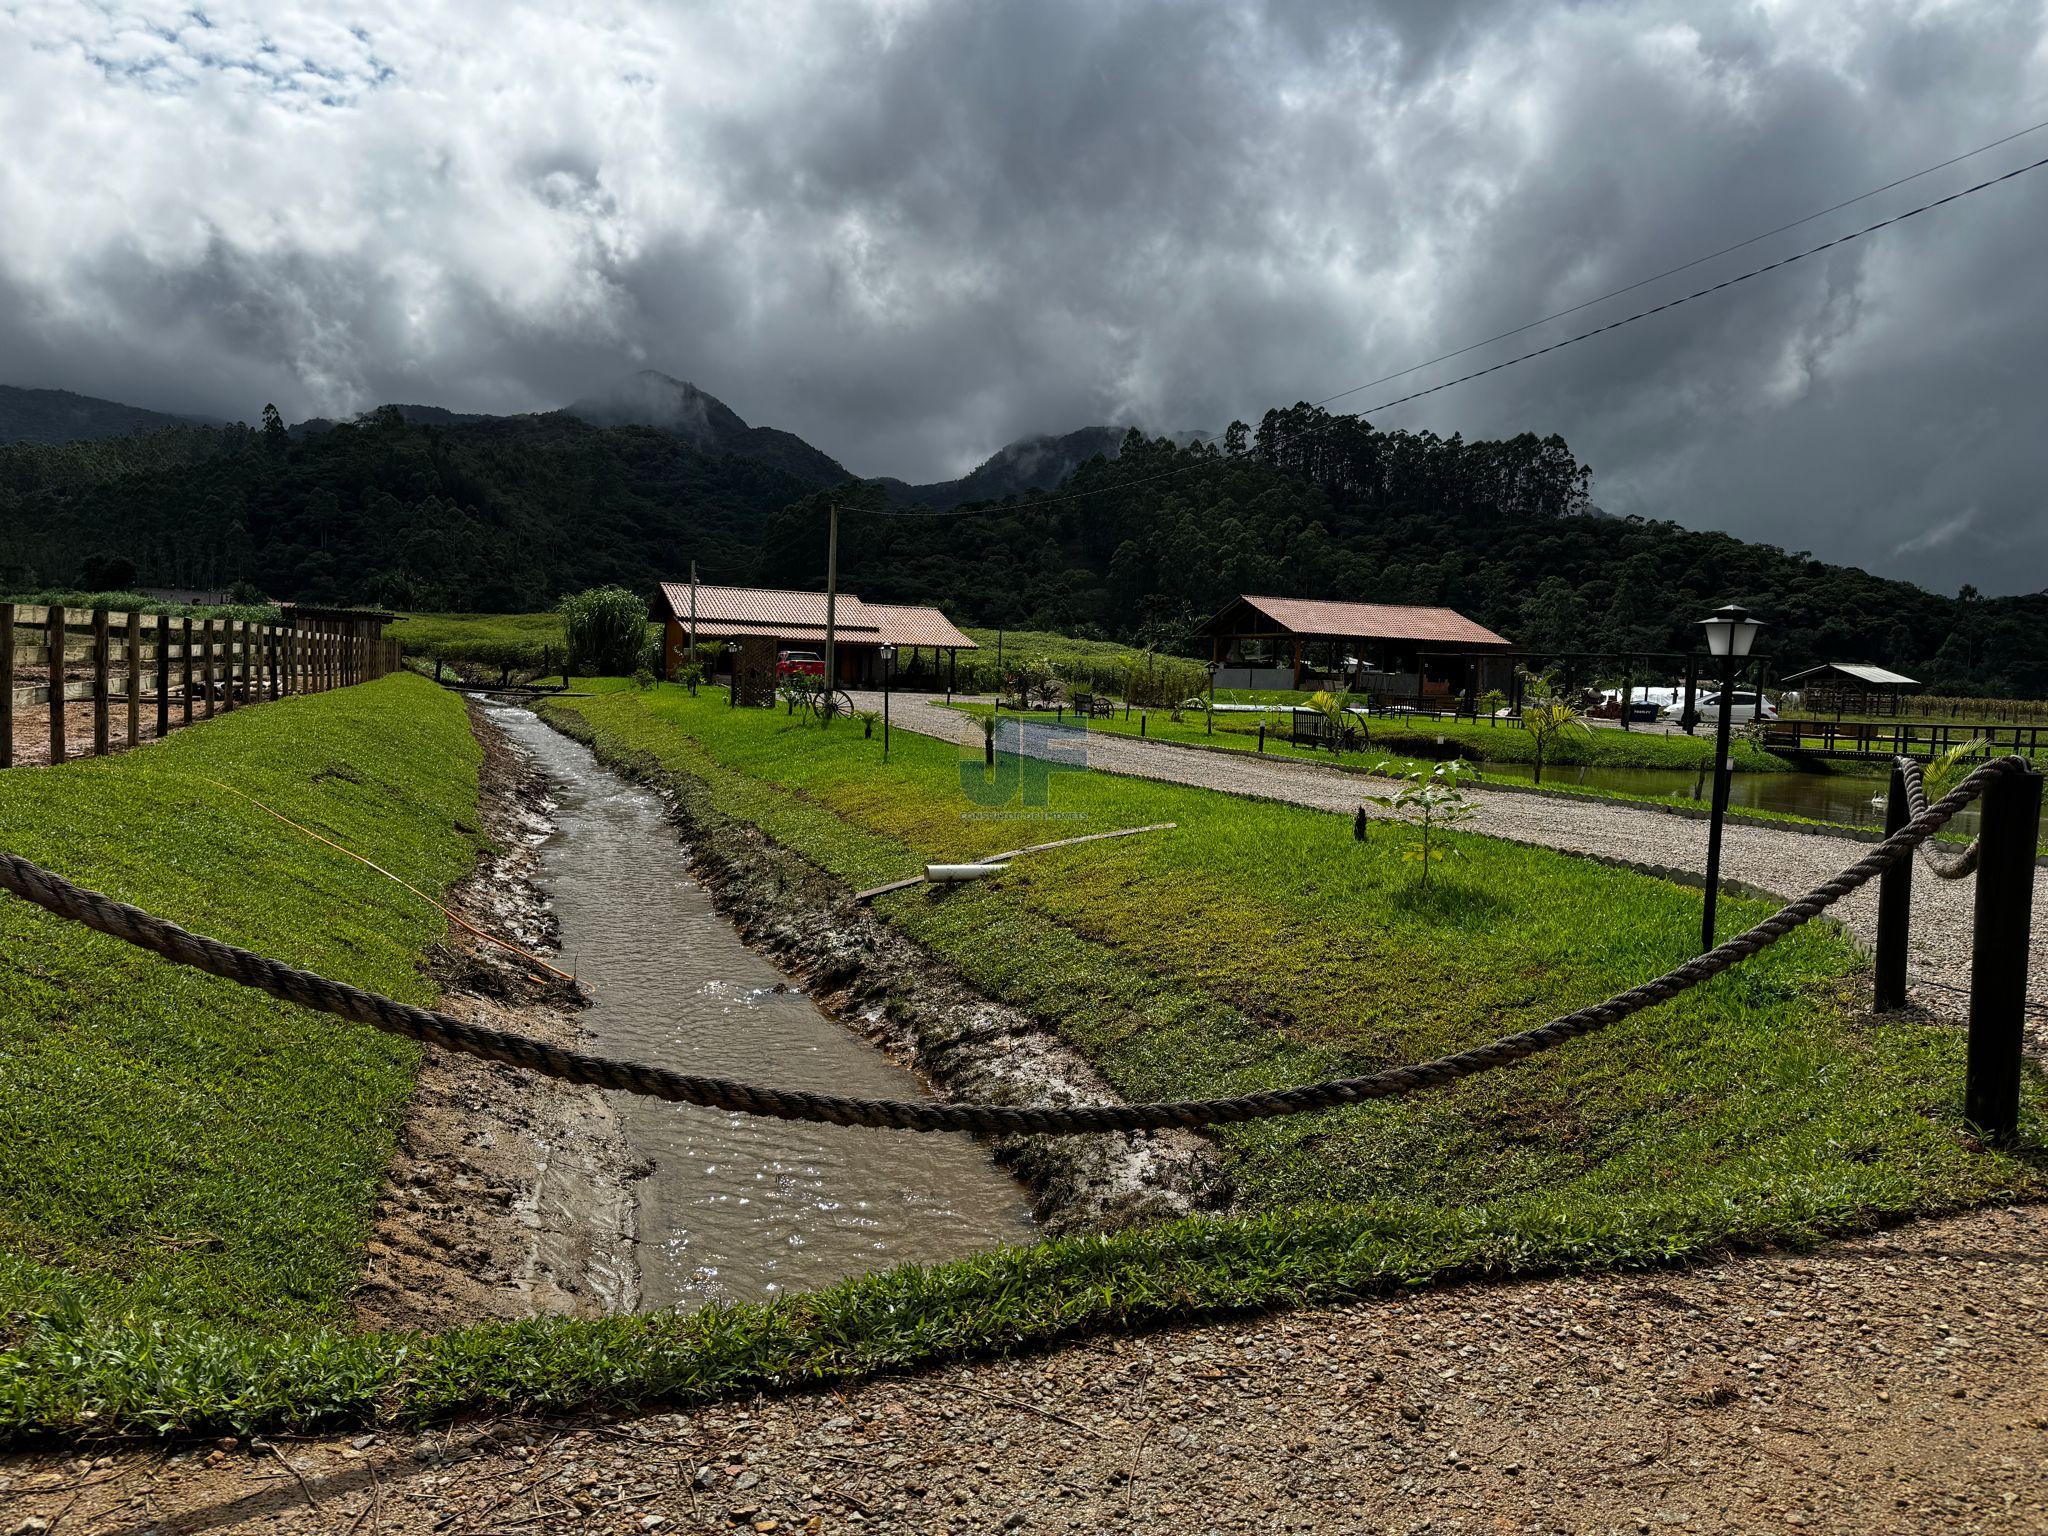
[692, 659]
[831, 616]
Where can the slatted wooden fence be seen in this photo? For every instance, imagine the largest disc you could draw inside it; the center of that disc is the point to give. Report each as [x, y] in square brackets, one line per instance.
[130, 666]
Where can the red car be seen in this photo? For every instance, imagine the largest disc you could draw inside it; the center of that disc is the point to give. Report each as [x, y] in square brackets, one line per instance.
[799, 664]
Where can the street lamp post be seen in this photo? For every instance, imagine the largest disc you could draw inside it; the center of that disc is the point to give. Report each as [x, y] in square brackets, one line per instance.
[1730, 633]
[1210, 713]
[888, 670]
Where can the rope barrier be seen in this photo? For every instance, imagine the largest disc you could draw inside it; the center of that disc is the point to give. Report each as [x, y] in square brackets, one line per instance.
[1963, 864]
[134, 926]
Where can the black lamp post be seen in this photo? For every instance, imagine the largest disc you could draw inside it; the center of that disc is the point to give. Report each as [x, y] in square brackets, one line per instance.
[1210, 724]
[888, 668]
[1730, 633]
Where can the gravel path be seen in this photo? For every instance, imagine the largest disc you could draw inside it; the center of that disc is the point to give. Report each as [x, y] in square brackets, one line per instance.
[1898, 1383]
[1782, 862]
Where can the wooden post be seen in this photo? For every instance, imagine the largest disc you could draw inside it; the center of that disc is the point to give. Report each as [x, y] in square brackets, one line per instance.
[270, 658]
[290, 630]
[100, 671]
[185, 667]
[6, 685]
[831, 615]
[227, 664]
[1894, 905]
[2008, 831]
[54, 638]
[134, 678]
[163, 676]
[206, 664]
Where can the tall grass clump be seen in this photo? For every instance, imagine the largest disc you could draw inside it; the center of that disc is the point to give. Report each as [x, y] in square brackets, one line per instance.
[606, 628]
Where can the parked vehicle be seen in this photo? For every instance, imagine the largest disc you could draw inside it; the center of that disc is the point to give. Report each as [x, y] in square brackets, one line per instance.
[1743, 710]
[799, 664]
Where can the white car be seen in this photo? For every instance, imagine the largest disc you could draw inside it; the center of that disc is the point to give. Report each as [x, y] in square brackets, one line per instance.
[1741, 712]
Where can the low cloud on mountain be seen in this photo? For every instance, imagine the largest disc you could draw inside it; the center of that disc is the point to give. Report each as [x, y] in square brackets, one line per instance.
[911, 233]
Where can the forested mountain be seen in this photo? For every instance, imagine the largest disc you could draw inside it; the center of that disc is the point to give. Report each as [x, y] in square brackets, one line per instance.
[508, 513]
[59, 416]
[500, 513]
[1029, 464]
[651, 399]
[1314, 505]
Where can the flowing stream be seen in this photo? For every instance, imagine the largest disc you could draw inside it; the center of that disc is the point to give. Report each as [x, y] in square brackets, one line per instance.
[736, 1207]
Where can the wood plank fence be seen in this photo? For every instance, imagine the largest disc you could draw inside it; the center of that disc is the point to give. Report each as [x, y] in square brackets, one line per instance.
[140, 675]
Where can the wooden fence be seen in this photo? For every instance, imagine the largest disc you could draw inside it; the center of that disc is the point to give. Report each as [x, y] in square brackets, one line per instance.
[111, 680]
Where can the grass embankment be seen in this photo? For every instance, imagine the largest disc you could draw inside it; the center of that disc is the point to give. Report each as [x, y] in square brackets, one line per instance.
[180, 1148]
[1256, 945]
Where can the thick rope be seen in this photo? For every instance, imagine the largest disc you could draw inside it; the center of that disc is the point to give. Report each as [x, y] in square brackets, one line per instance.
[309, 990]
[1963, 864]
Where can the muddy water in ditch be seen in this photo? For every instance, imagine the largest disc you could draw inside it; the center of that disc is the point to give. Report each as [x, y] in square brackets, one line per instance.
[736, 1207]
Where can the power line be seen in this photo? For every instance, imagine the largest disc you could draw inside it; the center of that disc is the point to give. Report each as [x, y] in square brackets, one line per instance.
[1658, 309]
[1523, 357]
[1686, 266]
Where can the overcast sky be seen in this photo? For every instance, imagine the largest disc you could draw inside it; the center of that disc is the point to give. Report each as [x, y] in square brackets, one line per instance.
[913, 232]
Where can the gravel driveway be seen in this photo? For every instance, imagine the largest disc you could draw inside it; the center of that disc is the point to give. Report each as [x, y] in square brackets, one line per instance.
[1898, 1383]
[1783, 862]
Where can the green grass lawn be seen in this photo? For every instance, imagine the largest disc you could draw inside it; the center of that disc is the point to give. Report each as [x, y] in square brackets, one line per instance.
[1059, 649]
[177, 1145]
[421, 634]
[1255, 945]
[1260, 945]
[1395, 738]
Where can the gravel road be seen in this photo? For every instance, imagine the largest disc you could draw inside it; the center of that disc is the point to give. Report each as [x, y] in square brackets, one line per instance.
[1782, 862]
[1898, 1383]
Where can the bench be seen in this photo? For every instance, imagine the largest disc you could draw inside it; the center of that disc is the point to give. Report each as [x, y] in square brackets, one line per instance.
[1093, 707]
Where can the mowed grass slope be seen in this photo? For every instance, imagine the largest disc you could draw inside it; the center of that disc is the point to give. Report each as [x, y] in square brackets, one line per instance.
[1259, 945]
[178, 1146]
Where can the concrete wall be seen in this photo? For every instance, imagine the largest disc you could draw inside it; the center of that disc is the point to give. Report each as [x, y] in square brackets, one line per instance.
[1255, 677]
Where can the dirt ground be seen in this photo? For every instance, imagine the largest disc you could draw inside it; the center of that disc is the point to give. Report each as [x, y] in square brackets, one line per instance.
[32, 729]
[1895, 1384]
[510, 1194]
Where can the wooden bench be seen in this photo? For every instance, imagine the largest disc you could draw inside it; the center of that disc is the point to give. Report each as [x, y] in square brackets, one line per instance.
[1093, 707]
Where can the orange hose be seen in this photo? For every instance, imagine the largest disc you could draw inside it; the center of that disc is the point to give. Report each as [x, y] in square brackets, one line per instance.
[454, 917]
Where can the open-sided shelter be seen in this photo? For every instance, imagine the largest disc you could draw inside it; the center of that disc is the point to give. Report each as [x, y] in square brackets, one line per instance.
[1377, 648]
[796, 621]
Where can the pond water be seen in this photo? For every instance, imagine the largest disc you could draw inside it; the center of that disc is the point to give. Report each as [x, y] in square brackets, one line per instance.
[737, 1207]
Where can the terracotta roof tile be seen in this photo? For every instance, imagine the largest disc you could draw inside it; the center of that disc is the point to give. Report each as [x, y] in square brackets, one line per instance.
[1372, 621]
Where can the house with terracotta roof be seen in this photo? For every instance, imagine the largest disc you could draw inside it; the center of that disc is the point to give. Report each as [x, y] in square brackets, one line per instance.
[927, 643]
[1387, 649]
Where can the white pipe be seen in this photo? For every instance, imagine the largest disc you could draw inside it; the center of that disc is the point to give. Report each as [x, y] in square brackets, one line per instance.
[952, 874]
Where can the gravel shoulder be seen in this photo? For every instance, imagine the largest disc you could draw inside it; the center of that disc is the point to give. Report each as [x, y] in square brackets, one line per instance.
[1898, 1383]
[1783, 863]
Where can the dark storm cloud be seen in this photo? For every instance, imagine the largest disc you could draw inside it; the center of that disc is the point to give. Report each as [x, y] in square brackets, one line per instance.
[912, 232]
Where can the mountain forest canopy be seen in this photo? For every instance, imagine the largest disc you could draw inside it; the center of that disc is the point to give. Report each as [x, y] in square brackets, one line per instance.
[418, 508]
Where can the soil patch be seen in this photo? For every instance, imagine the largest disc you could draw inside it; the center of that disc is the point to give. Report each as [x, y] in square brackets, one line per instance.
[510, 1194]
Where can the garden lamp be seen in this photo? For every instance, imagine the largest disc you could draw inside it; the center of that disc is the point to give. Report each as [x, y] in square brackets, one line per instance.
[1730, 633]
[888, 666]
